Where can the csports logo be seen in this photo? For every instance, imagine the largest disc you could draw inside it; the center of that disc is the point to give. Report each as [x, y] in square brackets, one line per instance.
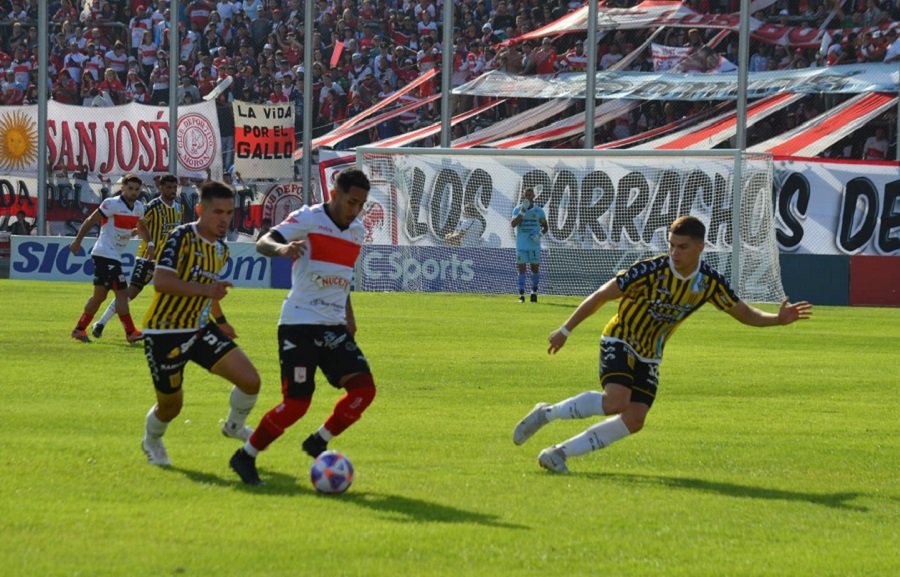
[196, 139]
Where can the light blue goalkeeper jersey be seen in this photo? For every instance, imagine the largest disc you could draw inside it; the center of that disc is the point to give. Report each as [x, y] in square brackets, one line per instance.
[528, 232]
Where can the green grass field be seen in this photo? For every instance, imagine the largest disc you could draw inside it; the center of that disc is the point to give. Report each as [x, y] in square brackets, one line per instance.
[768, 452]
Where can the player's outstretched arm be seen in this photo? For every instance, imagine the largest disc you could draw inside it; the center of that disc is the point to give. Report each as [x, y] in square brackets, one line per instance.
[608, 292]
[788, 313]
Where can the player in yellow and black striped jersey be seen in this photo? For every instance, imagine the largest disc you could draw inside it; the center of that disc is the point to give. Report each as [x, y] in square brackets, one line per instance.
[656, 299]
[177, 325]
[655, 296]
[161, 215]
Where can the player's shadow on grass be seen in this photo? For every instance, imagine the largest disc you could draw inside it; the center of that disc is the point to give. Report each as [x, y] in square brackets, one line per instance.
[421, 511]
[276, 483]
[831, 500]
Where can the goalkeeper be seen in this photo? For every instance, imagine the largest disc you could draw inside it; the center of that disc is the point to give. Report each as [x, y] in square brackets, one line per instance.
[530, 223]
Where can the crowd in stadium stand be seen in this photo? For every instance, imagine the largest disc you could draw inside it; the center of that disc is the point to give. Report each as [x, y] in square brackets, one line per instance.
[105, 52]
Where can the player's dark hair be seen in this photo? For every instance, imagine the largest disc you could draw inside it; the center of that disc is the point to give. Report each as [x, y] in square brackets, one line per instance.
[350, 177]
[168, 177]
[215, 189]
[689, 226]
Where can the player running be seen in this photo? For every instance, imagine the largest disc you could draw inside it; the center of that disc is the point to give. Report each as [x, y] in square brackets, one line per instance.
[656, 296]
[117, 216]
[161, 215]
[317, 326]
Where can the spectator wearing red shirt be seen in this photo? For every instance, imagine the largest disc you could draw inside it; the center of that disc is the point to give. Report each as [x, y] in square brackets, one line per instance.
[197, 13]
[65, 90]
[65, 12]
[545, 57]
[112, 86]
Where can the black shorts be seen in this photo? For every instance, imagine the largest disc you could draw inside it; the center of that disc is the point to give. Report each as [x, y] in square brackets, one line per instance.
[168, 353]
[304, 348]
[619, 364]
[142, 273]
[108, 273]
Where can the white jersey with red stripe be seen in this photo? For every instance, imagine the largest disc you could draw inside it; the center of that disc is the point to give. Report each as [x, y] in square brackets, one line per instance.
[321, 278]
[116, 226]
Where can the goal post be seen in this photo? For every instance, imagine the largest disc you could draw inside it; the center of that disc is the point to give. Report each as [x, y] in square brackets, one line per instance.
[605, 210]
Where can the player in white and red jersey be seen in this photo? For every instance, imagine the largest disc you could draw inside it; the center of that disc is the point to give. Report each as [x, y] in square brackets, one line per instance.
[317, 327]
[117, 216]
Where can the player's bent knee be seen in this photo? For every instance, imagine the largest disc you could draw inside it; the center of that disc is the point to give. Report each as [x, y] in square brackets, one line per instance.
[634, 420]
[168, 409]
[249, 381]
[289, 412]
[360, 394]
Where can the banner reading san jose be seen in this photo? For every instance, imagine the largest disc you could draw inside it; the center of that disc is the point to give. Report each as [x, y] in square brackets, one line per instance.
[263, 140]
[129, 138]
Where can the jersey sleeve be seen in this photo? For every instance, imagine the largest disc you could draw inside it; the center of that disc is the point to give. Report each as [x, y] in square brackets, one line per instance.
[634, 278]
[723, 296]
[108, 207]
[295, 226]
[168, 259]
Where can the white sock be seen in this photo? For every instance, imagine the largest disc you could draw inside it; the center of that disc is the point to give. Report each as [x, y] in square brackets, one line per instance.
[108, 313]
[597, 437]
[325, 434]
[581, 406]
[155, 428]
[241, 405]
[250, 449]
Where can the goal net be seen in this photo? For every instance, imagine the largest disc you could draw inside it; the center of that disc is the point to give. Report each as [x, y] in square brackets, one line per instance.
[605, 210]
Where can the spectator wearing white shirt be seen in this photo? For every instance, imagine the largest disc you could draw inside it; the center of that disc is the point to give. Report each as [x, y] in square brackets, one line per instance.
[876, 147]
[892, 54]
[611, 57]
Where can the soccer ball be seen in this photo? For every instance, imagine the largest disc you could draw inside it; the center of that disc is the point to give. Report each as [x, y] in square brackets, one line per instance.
[331, 473]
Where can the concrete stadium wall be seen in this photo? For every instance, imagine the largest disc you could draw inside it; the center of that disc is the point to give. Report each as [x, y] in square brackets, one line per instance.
[875, 280]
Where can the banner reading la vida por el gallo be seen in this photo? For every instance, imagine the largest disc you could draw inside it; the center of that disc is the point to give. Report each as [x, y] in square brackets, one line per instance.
[112, 140]
[264, 140]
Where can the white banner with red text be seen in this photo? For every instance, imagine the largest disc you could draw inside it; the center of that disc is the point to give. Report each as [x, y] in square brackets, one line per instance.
[120, 139]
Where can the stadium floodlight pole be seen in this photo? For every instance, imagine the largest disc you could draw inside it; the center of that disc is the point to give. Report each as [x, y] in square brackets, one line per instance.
[174, 49]
[308, 103]
[44, 27]
[740, 143]
[590, 87]
[447, 48]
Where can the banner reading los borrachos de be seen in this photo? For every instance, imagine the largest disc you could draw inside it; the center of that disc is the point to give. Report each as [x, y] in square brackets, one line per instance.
[120, 139]
[837, 206]
[820, 206]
